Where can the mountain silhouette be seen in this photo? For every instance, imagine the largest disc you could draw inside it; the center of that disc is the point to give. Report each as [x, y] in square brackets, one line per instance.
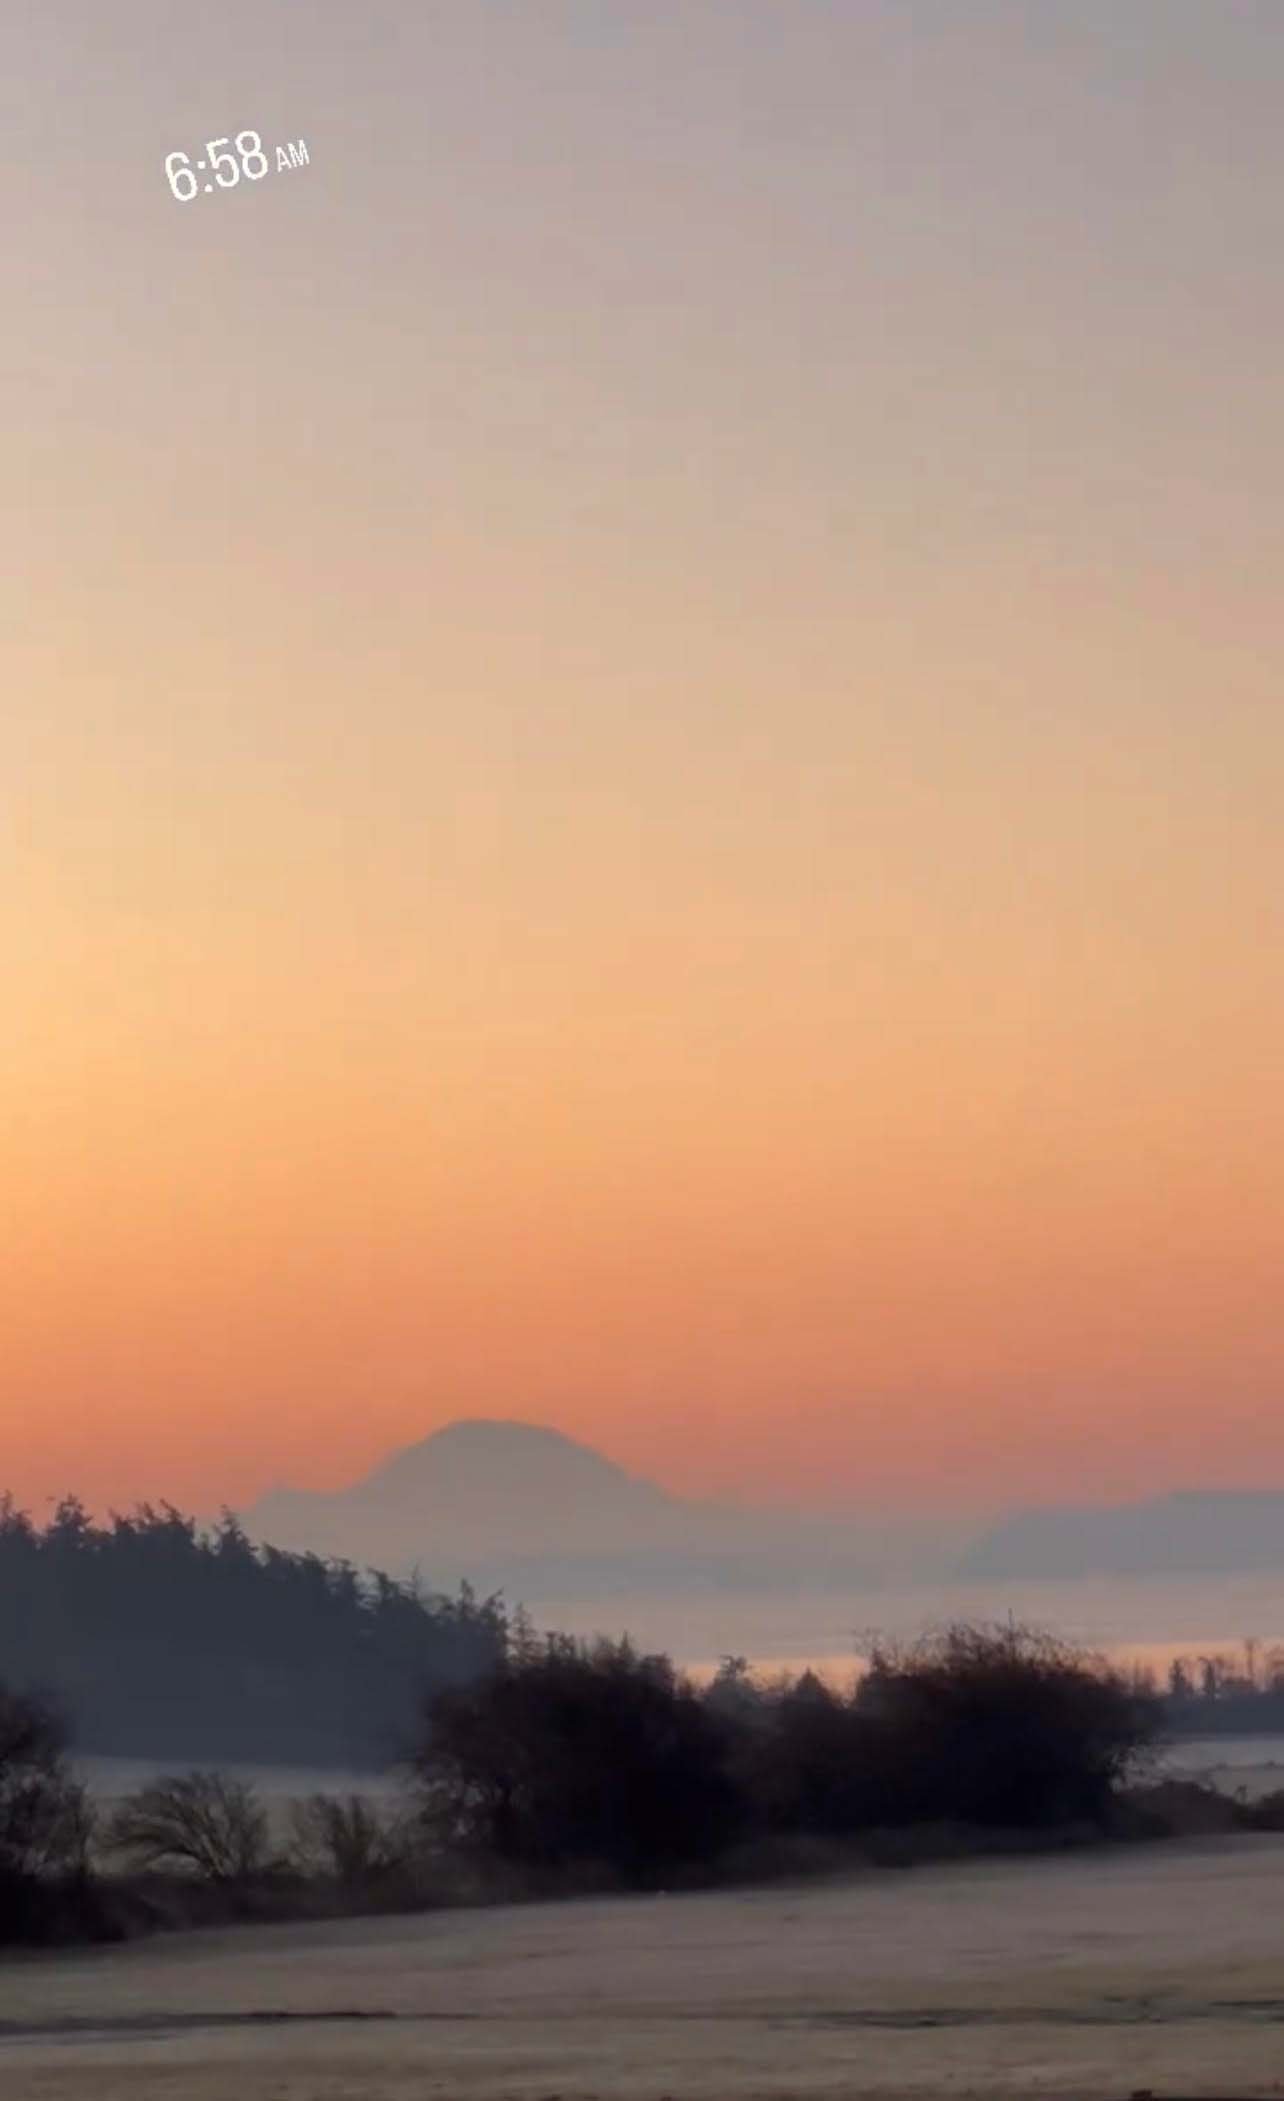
[514, 1506]
[480, 1485]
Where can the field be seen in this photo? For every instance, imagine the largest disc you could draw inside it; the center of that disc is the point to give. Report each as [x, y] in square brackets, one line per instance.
[1091, 1974]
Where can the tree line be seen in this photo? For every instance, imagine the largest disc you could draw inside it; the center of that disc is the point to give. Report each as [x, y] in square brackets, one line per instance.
[1227, 1695]
[569, 1750]
[570, 1765]
[162, 1640]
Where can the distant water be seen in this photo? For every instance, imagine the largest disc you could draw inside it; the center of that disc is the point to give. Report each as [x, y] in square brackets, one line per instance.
[1150, 1620]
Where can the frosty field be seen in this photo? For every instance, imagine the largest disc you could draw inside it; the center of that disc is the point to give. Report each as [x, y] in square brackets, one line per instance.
[1096, 1974]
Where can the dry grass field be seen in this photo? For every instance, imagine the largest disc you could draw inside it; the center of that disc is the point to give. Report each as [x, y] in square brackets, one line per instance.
[1097, 1974]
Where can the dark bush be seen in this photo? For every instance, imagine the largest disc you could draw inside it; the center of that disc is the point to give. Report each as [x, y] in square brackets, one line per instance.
[1003, 1726]
[808, 1764]
[575, 1752]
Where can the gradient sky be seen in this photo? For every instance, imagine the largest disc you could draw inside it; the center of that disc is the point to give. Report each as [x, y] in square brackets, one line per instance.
[641, 743]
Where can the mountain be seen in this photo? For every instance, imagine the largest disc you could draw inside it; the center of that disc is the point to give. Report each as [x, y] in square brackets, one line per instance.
[1199, 1532]
[512, 1506]
[475, 1488]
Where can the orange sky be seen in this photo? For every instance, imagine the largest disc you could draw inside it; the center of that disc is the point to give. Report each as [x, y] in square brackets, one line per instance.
[644, 784]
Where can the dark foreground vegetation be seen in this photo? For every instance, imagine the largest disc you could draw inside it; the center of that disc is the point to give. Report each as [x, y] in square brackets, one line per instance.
[568, 1766]
[598, 1752]
[167, 1642]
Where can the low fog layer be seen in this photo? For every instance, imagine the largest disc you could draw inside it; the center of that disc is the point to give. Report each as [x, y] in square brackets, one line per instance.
[587, 1546]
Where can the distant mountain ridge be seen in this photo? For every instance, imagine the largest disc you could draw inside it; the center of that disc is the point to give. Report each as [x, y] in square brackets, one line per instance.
[1191, 1532]
[524, 1509]
[517, 1506]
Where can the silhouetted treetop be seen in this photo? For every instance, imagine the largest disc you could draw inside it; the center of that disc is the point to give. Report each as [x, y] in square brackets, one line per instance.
[163, 1640]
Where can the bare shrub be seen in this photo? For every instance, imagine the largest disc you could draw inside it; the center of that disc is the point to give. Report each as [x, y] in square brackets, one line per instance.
[45, 1820]
[202, 1824]
[44, 1816]
[348, 1839]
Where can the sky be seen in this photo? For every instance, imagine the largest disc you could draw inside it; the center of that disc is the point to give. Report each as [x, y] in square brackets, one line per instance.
[640, 744]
